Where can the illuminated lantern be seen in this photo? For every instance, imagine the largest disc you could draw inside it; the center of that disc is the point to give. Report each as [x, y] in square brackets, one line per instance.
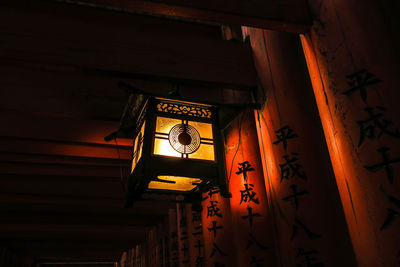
[177, 149]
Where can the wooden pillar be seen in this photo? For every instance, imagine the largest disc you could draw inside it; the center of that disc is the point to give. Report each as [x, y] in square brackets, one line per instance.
[353, 60]
[161, 230]
[165, 243]
[130, 257]
[195, 237]
[173, 238]
[123, 259]
[251, 216]
[217, 231]
[151, 248]
[309, 223]
[183, 238]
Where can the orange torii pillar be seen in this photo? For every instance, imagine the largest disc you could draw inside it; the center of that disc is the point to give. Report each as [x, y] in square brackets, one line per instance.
[353, 59]
[251, 216]
[195, 237]
[183, 237]
[217, 231]
[310, 227]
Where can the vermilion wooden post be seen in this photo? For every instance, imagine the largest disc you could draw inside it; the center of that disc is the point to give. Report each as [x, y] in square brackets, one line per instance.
[353, 59]
[123, 259]
[251, 216]
[151, 248]
[160, 244]
[183, 238]
[217, 231]
[195, 237]
[173, 238]
[309, 224]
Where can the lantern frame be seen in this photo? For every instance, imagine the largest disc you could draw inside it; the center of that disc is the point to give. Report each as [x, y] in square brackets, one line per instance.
[150, 166]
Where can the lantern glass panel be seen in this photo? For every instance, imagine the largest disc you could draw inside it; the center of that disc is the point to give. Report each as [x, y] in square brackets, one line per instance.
[164, 125]
[179, 183]
[162, 145]
[138, 145]
[204, 129]
[205, 152]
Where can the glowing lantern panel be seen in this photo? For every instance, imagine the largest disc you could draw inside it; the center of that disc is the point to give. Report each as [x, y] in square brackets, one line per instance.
[175, 148]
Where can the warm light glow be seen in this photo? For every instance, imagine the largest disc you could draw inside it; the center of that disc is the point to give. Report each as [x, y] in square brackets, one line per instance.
[162, 147]
[204, 129]
[180, 183]
[204, 152]
[164, 125]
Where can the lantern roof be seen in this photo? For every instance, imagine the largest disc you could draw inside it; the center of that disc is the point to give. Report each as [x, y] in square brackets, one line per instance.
[138, 97]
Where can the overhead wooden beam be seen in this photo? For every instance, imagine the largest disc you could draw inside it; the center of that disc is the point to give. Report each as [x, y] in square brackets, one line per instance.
[63, 130]
[15, 197]
[57, 91]
[56, 214]
[48, 243]
[56, 250]
[72, 149]
[78, 264]
[71, 232]
[79, 258]
[75, 140]
[282, 15]
[67, 170]
[66, 186]
[24, 197]
[33, 158]
[142, 208]
[46, 246]
[70, 93]
[119, 44]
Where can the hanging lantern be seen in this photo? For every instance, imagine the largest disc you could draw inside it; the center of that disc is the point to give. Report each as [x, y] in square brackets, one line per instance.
[177, 150]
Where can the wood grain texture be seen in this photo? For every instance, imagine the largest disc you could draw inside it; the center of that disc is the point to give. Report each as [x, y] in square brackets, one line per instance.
[120, 44]
[287, 15]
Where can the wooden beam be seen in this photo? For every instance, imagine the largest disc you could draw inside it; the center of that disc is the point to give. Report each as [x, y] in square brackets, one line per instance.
[56, 91]
[66, 93]
[62, 160]
[64, 130]
[142, 208]
[23, 197]
[72, 149]
[77, 258]
[50, 246]
[45, 249]
[57, 214]
[63, 170]
[119, 43]
[52, 243]
[52, 250]
[48, 136]
[65, 186]
[283, 15]
[32, 198]
[79, 264]
[71, 232]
